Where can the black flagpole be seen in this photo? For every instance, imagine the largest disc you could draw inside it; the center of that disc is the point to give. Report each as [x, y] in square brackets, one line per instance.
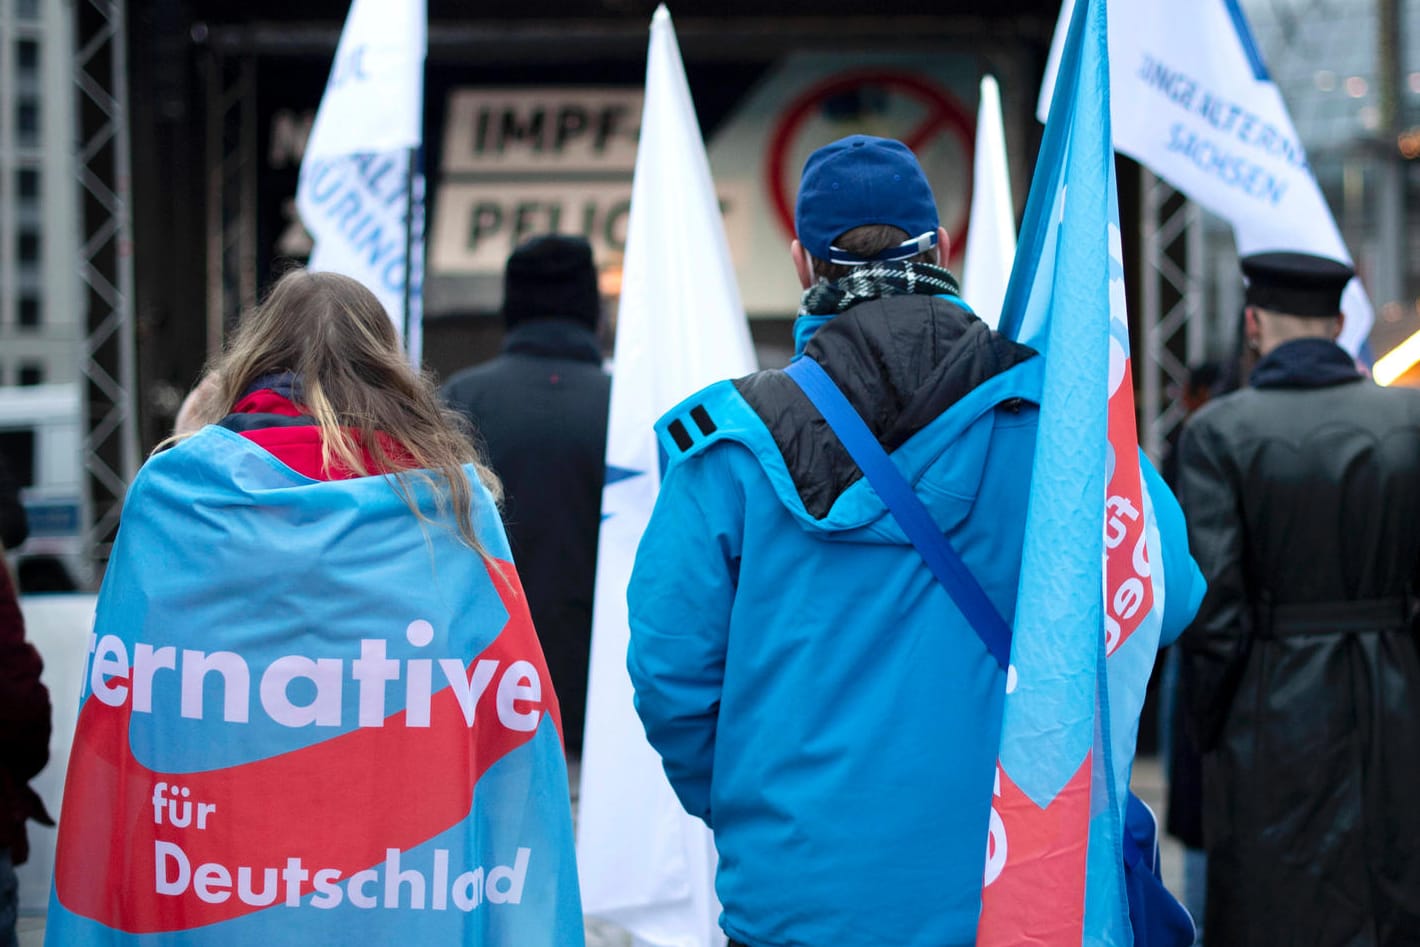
[409, 250]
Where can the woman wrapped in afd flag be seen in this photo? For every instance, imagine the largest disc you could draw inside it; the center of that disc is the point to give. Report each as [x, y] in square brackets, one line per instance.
[315, 708]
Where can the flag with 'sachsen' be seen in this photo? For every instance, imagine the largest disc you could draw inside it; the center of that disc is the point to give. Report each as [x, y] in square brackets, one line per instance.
[310, 718]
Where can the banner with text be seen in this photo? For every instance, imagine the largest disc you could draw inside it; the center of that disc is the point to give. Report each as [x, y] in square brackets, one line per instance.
[361, 192]
[364, 748]
[1193, 102]
[518, 162]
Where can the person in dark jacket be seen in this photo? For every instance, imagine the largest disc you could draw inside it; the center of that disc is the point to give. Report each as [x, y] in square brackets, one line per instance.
[1205, 380]
[540, 407]
[1302, 666]
[24, 747]
[1184, 766]
[14, 524]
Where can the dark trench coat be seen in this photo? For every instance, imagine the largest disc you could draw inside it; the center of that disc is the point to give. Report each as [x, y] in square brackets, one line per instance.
[1302, 670]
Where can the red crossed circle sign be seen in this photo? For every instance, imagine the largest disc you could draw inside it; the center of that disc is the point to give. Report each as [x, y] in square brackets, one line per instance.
[944, 115]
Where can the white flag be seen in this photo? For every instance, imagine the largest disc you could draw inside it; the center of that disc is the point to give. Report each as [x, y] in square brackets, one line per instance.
[360, 193]
[644, 863]
[991, 229]
[1192, 101]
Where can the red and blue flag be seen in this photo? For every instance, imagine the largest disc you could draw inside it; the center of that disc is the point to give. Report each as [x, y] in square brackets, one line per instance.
[1088, 616]
[310, 717]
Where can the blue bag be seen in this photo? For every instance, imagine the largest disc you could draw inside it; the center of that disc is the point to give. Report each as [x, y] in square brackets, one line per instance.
[1156, 916]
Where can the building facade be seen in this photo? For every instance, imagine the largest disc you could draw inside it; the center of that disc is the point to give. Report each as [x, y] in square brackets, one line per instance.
[40, 326]
[1349, 71]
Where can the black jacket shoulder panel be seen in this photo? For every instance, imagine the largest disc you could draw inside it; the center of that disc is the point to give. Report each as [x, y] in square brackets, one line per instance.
[900, 360]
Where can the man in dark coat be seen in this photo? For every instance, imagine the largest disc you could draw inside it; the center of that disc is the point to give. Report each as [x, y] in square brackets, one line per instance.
[14, 523]
[1304, 677]
[24, 719]
[540, 410]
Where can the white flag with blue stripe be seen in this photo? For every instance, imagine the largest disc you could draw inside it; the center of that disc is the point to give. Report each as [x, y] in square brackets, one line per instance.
[361, 194]
[644, 863]
[1193, 102]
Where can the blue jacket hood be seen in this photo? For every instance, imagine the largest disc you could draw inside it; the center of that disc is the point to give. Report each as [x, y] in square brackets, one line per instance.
[931, 380]
[814, 693]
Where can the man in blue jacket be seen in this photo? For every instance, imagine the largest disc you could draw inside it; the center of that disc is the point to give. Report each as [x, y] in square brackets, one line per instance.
[816, 696]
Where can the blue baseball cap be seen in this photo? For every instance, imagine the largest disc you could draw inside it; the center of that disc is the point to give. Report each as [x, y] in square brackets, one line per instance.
[861, 180]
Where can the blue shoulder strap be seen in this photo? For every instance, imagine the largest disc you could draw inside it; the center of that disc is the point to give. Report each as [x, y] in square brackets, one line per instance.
[1157, 919]
[892, 488]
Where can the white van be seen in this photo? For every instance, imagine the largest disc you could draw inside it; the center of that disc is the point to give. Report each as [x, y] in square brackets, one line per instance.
[42, 444]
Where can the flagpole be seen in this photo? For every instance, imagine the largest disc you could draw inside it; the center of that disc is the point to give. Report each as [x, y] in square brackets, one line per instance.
[407, 318]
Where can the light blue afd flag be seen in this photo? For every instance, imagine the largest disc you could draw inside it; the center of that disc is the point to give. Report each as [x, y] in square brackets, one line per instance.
[309, 718]
[1087, 617]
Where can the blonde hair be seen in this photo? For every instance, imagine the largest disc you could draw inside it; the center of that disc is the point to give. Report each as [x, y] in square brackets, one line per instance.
[353, 379]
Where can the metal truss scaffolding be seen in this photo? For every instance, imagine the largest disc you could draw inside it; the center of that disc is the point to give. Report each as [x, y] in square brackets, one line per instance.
[231, 191]
[1175, 330]
[105, 267]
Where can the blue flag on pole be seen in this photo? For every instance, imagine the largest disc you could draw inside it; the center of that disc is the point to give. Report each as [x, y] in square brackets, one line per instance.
[1089, 607]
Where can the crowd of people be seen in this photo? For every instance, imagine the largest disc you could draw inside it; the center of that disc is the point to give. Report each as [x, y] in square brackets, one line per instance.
[817, 696]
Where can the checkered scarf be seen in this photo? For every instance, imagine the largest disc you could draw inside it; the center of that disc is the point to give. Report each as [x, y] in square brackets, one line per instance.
[874, 280]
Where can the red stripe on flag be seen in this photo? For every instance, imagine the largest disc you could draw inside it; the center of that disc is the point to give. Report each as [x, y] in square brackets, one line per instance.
[1035, 888]
[1129, 595]
[336, 804]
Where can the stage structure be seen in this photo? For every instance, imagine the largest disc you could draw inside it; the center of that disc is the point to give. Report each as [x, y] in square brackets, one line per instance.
[1173, 320]
[244, 79]
[108, 364]
[232, 168]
